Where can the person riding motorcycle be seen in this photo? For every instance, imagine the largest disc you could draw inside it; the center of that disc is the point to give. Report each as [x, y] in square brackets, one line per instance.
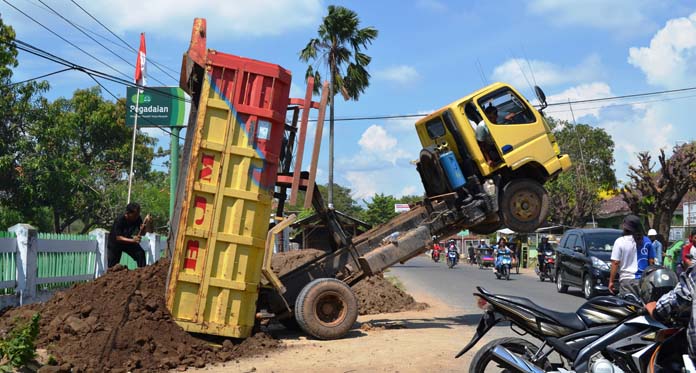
[501, 250]
[544, 248]
[452, 247]
[436, 250]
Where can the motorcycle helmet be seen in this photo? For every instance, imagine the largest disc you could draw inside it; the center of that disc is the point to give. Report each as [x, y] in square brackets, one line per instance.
[655, 282]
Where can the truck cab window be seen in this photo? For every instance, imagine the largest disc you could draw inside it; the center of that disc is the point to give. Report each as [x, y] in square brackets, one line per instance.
[435, 128]
[505, 107]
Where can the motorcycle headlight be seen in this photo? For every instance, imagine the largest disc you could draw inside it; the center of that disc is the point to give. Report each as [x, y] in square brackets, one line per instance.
[599, 264]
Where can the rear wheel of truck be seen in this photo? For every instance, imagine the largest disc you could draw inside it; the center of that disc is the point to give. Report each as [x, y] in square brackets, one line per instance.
[326, 308]
[524, 205]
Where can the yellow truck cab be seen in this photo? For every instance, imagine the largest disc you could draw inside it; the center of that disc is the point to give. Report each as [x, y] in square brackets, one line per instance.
[492, 138]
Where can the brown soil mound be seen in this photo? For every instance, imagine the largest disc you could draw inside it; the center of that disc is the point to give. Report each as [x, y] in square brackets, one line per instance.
[119, 322]
[375, 294]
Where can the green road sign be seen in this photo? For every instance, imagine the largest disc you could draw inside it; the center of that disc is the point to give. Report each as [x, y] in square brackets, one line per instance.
[157, 106]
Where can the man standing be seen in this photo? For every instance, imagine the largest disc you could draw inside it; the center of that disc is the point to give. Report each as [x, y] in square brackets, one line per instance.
[629, 257]
[125, 237]
[657, 246]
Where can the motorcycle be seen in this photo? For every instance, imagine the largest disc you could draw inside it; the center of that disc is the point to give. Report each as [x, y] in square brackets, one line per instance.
[601, 327]
[436, 256]
[452, 257]
[548, 267]
[504, 266]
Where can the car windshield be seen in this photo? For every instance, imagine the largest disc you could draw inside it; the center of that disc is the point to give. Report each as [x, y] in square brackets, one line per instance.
[601, 241]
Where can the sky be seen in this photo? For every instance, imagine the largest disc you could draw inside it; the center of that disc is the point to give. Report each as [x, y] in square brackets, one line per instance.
[428, 54]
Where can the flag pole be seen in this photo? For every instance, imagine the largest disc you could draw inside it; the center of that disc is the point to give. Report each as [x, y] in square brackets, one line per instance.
[135, 131]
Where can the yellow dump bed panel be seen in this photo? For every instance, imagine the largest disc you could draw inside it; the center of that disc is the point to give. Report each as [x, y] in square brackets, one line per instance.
[230, 173]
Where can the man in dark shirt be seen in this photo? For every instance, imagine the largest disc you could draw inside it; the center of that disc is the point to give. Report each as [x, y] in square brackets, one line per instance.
[125, 237]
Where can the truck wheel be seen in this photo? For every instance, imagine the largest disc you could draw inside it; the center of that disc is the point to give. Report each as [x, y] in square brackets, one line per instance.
[524, 205]
[326, 308]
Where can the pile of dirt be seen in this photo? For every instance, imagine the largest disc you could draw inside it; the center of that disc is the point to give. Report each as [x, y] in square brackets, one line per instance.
[375, 294]
[119, 322]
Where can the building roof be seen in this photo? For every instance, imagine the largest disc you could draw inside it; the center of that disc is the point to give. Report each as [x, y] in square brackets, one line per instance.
[614, 206]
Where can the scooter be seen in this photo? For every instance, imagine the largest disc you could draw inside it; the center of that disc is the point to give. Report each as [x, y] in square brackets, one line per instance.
[452, 258]
[436, 256]
[548, 267]
[504, 266]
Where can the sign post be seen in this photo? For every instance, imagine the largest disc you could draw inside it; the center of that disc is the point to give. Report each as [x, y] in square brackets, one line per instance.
[160, 107]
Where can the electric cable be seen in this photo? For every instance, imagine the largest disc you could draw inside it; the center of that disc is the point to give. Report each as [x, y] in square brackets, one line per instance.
[154, 63]
[94, 40]
[64, 39]
[41, 76]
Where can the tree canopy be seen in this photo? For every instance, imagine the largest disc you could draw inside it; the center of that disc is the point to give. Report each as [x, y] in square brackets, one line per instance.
[574, 195]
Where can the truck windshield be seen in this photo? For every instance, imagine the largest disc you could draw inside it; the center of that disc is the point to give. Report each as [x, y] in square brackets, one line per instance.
[601, 242]
[505, 107]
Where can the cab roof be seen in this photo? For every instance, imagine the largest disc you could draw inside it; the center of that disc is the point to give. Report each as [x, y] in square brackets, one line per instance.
[486, 89]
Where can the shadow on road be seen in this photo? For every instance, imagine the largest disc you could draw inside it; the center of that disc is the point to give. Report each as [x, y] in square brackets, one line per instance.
[423, 323]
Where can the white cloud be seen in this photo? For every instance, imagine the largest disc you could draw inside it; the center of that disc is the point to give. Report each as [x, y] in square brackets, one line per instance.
[376, 140]
[620, 15]
[516, 71]
[645, 130]
[363, 184]
[401, 74]
[228, 18]
[410, 190]
[581, 92]
[670, 59]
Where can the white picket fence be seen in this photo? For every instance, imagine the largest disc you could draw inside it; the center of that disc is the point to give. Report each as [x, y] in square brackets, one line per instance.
[19, 262]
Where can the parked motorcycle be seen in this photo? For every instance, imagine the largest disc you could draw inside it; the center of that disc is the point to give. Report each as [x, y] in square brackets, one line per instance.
[606, 334]
[548, 267]
[452, 258]
[504, 267]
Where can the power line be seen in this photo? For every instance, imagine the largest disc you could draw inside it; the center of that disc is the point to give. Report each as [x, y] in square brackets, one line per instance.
[41, 76]
[64, 39]
[154, 63]
[93, 39]
[51, 57]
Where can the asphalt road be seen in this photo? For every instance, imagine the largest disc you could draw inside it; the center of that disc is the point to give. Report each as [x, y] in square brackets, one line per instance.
[455, 287]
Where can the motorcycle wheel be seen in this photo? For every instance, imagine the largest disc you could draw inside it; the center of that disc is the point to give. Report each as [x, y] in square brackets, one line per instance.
[507, 274]
[483, 360]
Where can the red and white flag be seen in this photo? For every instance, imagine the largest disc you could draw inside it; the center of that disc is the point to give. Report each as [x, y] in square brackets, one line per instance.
[140, 64]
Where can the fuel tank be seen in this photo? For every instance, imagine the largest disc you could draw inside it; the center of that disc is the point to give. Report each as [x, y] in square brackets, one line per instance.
[606, 310]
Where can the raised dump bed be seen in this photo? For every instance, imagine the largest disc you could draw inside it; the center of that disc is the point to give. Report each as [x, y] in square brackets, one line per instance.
[224, 198]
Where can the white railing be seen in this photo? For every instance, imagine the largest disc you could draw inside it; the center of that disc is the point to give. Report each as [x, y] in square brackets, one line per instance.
[21, 255]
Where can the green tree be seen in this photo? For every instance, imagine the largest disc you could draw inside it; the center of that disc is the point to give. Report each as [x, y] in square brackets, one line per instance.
[343, 201]
[80, 150]
[17, 112]
[574, 195]
[380, 209]
[340, 39]
[410, 199]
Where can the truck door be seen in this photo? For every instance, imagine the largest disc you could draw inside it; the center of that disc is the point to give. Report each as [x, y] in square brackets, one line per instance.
[515, 127]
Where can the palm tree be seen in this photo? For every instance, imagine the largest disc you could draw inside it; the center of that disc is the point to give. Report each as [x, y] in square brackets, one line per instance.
[339, 40]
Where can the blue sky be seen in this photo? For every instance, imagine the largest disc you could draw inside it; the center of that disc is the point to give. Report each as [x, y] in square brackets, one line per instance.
[427, 55]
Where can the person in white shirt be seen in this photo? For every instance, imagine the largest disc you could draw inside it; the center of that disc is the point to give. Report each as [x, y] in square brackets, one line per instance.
[630, 255]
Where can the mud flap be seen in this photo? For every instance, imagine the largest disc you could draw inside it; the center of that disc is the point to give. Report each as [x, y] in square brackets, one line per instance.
[488, 320]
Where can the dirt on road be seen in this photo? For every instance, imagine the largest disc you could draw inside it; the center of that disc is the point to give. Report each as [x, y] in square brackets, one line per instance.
[119, 322]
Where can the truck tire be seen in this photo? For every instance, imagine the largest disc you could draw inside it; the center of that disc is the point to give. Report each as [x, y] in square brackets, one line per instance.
[326, 308]
[431, 173]
[524, 205]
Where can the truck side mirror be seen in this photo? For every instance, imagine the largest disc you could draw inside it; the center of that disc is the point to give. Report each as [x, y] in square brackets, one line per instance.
[541, 96]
